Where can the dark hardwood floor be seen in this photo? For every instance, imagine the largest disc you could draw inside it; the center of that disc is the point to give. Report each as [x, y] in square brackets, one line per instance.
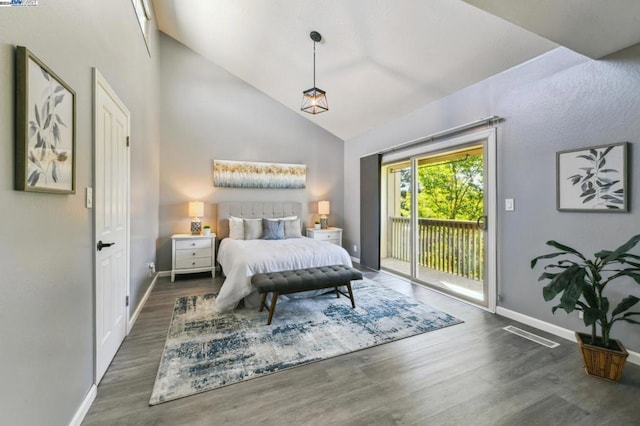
[469, 374]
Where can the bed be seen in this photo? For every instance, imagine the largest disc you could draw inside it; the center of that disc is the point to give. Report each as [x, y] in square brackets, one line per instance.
[240, 259]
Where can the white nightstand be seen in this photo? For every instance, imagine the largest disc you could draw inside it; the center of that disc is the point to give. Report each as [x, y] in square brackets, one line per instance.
[330, 235]
[193, 253]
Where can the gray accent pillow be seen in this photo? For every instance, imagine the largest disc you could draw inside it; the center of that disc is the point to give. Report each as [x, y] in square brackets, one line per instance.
[292, 228]
[252, 229]
[273, 229]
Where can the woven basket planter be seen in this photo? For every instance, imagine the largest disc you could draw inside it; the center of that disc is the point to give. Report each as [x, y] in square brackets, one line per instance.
[600, 362]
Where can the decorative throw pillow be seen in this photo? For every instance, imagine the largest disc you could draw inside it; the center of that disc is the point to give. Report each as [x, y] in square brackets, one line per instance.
[273, 229]
[292, 228]
[236, 228]
[252, 229]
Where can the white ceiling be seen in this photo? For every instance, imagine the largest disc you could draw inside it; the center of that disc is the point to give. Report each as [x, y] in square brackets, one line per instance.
[379, 59]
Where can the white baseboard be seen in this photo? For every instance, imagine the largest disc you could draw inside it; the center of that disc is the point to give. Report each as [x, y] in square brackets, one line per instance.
[164, 274]
[355, 259]
[82, 411]
[136, 314]
[634, 357]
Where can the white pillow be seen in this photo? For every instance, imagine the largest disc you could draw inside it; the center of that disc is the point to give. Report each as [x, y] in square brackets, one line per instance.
[292, 228]
[253, 229]
[236, 228]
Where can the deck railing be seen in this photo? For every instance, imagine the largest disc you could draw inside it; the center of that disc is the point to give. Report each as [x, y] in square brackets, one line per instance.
[453, 246]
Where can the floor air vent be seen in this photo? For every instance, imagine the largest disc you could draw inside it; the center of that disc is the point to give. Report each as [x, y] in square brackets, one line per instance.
[533, 337]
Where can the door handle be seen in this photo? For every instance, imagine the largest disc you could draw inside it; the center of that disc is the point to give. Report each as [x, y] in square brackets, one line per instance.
[481, 223]
[102, 245]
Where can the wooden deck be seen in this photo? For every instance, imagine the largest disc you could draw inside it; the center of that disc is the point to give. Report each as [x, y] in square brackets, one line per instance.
[462, 286]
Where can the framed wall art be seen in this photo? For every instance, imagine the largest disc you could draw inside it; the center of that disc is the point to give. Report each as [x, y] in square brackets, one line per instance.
[247, 174]
[592, 179]
[45, 128]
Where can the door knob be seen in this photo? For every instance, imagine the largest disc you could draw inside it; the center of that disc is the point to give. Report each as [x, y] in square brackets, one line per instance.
[101, 245]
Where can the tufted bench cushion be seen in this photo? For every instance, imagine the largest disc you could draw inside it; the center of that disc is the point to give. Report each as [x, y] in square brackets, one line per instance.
[297, 280]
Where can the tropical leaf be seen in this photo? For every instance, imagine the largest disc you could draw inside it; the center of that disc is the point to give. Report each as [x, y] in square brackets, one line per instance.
[560, 283]
[58, 89]
[589, 198]
[620, 250]
[546, 256]
[45, 74]
[625, 305]
[54, 171]
[586, 157]
[608, 171]
[573, 291]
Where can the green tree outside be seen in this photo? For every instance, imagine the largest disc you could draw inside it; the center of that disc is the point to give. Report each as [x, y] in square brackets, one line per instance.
[447, 190]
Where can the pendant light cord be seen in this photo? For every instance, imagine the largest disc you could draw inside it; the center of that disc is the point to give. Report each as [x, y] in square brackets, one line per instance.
[314, 64]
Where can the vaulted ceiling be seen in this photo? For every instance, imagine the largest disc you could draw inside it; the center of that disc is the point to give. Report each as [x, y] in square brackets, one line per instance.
[381, 59]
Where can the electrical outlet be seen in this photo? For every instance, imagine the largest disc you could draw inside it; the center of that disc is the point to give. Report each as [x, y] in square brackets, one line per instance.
[152, 268]
[355, 248]
[581, 314]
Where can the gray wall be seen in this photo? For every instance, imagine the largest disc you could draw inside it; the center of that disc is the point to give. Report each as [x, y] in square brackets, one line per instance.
[206, 114]
[555, 102]
[46, 241]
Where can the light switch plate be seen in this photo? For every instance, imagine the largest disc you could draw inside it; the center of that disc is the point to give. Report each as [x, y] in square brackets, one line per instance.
[89, 197]
[509, 204]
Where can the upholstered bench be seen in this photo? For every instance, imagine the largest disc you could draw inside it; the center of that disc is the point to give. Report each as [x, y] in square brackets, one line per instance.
[294, 281]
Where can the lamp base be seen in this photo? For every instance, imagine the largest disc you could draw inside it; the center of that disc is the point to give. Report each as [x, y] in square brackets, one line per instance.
[324, 222]
[196, 227]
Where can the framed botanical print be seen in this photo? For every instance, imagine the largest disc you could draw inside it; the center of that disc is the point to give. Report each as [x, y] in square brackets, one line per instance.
[592, 179]
[45, 128]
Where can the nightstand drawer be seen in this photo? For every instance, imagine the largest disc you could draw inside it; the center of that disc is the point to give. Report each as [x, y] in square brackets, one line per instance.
[193, 254]
[199, 262]
[193, 243]
[327, 235]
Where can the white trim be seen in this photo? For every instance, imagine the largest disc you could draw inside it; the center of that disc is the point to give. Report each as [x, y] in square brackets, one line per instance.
[136, 314]
[164, 274]
[82, 411]
[355, 259]
[634, 357]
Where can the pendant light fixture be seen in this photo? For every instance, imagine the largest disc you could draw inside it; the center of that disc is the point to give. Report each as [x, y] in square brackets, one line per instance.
[314, 100]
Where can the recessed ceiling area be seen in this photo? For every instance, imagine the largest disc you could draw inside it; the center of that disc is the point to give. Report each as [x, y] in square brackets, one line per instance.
[378, 59]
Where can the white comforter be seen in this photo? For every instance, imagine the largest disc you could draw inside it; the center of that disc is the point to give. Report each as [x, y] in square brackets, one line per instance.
[241, 259]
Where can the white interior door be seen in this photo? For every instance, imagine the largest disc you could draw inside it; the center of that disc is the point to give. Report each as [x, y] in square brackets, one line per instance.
[111, 210]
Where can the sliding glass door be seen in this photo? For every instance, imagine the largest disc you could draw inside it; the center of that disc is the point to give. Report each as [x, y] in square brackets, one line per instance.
[435, 209]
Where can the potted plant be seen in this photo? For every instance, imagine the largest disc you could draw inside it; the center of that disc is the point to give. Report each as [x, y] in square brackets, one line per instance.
[316, 225]
[581, 284]
[207, 230]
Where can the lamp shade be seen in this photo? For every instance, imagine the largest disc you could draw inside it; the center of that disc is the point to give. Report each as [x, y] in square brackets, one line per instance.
[323, 207]
[196, 208]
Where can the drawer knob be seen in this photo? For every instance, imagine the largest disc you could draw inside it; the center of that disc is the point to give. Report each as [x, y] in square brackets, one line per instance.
[193, 264]
[193, 254]
[193, 244]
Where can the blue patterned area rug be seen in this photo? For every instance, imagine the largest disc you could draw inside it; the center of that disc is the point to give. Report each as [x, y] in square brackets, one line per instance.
[206, 350]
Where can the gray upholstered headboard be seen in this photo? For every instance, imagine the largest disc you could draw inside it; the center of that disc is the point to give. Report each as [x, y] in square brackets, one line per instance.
[253, 210]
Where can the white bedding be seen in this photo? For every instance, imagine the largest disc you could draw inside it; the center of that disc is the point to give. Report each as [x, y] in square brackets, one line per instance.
[241, 259]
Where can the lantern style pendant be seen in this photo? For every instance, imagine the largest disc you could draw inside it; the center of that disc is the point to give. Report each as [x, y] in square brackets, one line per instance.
[314, 100]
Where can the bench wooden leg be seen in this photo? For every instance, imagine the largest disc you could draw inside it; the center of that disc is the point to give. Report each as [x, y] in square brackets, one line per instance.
[262, 302]
[353, 301]
[337, 293]
[272, 307]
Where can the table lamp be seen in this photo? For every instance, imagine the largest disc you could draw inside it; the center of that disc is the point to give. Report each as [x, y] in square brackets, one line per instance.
[196, 211]
[323, 211]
